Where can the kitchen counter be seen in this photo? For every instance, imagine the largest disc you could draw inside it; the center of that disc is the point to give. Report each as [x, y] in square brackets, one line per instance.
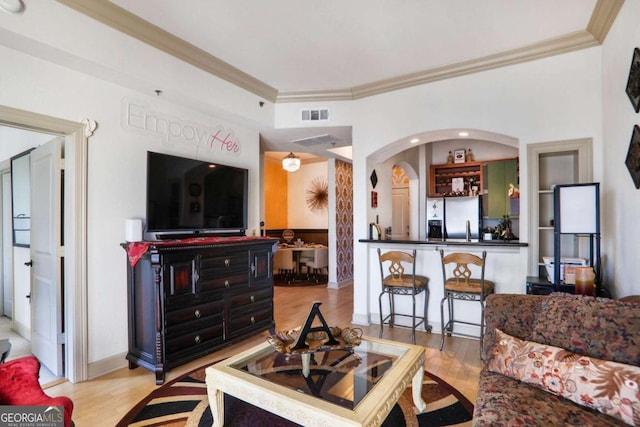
[451, 242]
[506, 267]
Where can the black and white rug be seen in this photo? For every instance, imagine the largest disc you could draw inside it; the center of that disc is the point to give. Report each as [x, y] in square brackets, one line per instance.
[184, 402]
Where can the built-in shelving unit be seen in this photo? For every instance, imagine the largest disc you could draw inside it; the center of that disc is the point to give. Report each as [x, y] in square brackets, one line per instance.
[551, 164]
[441, 178]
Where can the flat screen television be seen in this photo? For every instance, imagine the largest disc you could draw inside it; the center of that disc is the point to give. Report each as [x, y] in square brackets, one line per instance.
[187, 197]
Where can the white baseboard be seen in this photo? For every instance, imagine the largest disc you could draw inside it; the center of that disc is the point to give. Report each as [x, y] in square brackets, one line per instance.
[436, 327]
[360, 319]
[104, 366]
[21, 329]
[340, 285]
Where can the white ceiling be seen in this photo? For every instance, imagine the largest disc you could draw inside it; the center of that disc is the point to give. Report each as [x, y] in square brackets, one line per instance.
[295, 45]
[293, 50]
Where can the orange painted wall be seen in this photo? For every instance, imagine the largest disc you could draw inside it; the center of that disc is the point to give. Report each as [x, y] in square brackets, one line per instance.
[275, 195]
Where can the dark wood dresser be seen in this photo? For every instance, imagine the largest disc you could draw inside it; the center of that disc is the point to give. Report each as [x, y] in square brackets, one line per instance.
[186, 300]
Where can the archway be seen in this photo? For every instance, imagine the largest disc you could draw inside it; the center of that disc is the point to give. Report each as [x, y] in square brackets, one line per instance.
[413, 153]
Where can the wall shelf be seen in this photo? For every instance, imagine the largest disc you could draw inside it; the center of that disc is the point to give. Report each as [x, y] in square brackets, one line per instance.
[440, 177]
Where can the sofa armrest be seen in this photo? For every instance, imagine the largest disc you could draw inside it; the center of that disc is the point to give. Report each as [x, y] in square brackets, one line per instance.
[514, 314]
[19, 385]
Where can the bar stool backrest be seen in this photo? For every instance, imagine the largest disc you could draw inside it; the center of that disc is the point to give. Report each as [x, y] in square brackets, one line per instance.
[396, 269]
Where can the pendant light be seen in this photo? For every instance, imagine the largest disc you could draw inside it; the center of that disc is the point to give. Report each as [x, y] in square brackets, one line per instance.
[291, 163]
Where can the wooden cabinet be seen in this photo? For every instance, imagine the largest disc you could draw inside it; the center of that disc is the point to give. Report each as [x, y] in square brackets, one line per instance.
[443, 179]
[186, 301]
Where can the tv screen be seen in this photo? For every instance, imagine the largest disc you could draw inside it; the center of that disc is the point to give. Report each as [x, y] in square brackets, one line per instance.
[185, 196]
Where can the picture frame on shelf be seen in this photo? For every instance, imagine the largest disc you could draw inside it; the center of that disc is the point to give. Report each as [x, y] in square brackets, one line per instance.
[633, 156]
[633, 82]
[457, 185]
[459, 156]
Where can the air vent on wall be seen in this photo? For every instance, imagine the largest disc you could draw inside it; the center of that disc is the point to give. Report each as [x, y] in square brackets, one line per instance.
[315, 115]
[316, 140]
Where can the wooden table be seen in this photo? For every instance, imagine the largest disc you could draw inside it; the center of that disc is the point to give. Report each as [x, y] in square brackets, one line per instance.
[359, 388]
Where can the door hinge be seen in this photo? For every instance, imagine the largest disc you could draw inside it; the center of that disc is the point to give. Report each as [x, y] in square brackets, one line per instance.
[61, 164]
[62, 338]
[60, 251]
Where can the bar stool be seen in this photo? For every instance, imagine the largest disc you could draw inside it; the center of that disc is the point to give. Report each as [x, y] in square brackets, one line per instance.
[396, 282]
[461, 286]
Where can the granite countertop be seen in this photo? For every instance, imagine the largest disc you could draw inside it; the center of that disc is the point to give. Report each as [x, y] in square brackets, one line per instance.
[457, 242]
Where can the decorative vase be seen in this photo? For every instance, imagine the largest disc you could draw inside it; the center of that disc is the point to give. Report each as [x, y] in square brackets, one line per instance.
[585, 281]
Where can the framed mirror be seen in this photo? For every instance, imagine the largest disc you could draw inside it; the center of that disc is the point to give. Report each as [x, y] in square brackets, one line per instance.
[21, 198]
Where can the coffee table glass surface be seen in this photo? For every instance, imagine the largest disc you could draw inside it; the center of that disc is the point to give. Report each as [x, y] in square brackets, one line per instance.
[341, 376]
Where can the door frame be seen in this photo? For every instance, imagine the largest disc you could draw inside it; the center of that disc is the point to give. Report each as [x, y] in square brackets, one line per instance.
[75, 230]
[5, 233]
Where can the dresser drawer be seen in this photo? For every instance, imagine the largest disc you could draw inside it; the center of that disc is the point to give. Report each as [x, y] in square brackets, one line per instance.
[223, 273]
[195, 312]
[188, 335]
[250, 298]
[228, 264]
[240, 322]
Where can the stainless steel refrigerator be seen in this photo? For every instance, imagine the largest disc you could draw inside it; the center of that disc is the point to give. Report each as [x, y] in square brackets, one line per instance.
[462, 214]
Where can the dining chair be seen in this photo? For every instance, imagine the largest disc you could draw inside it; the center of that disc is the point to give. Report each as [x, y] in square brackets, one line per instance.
[284, 264]
[320, 260]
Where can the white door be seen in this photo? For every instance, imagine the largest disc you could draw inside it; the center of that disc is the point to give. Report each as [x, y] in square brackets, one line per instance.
[46, 255]
[7, 247]
[400, 226]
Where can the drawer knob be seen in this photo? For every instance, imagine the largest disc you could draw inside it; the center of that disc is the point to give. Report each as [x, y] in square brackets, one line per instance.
[253, 319]
[227, 262]
[197, 339]
[197, 314]
[253, 299]
[226, 283]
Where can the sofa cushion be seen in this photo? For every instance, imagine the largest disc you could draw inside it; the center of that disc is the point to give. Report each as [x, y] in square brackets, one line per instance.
[514, 314]
[598, 327]
[609, 387]
[503, 401]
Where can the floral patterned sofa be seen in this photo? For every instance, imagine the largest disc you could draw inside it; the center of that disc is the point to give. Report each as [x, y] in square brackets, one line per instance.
[559, 360]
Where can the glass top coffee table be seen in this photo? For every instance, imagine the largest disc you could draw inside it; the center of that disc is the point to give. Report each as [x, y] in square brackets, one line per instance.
[341, 387]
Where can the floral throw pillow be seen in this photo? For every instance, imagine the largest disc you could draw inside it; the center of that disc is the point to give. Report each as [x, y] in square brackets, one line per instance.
[609, 387]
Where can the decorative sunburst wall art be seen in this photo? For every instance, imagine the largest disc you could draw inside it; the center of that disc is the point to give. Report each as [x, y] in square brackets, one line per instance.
[318, 194]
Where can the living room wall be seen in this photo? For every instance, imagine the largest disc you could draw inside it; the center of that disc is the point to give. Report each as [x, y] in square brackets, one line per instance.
[620, 199]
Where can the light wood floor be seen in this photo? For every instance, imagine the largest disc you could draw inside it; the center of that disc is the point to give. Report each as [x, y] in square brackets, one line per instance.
[105, 400]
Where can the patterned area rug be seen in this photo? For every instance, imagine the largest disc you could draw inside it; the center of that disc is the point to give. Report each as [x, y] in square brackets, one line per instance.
[183, 403]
